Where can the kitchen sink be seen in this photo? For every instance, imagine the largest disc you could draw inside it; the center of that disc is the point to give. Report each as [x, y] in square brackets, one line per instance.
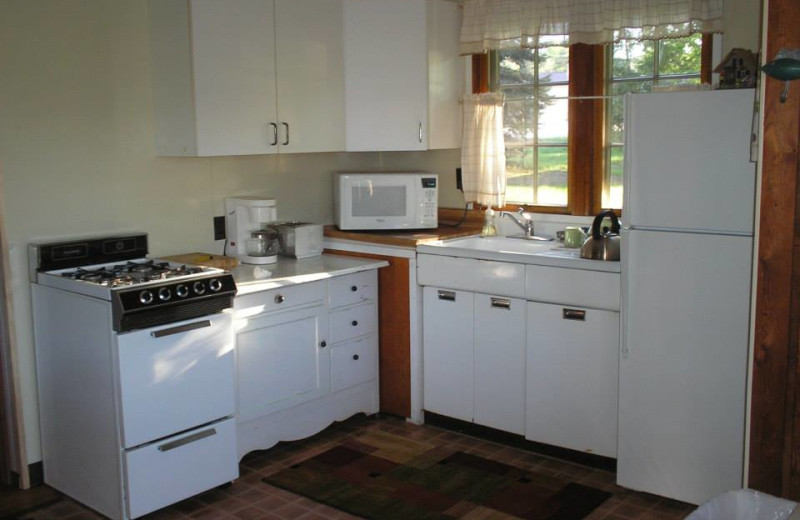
[517, 249]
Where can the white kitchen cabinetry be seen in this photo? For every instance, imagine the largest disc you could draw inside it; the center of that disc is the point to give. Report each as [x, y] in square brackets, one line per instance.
[403, 74]
[247, 76]
[474, 357]
[571, 395]
[307, 355]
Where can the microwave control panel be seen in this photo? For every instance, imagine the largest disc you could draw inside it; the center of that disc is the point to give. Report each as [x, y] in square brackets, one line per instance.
[430, 201]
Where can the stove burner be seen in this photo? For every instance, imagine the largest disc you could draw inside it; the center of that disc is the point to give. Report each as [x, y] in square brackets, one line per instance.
[131, 273]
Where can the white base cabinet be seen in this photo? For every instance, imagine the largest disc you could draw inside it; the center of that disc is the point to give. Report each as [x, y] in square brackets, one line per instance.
[307, 355]
[572, 366]
[475, 357]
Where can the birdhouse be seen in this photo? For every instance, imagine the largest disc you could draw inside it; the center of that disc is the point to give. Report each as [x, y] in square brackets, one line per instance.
[738, 69]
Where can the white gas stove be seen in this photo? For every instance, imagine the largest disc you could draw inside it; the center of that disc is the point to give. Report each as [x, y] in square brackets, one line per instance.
[136, 374]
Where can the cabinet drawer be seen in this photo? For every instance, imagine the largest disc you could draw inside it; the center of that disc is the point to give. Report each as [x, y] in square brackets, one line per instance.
[282, 298]
[469, 274]
[354, 363]
[353, 288]
[352, 322]
[176, 468]
[577, 287]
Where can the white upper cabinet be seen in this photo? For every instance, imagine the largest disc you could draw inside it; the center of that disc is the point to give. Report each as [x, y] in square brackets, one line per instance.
[247, 77]
[403, 74]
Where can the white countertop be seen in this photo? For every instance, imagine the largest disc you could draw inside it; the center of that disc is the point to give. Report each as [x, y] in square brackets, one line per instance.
[290, 271]
[518, 251]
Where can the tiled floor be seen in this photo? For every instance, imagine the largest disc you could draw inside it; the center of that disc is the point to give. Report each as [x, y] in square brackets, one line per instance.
[249, 498]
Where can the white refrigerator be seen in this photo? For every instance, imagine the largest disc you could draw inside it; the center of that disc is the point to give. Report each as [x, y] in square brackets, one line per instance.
[686, 263]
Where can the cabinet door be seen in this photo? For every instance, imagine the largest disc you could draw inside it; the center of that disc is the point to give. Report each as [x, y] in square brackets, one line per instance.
[572, 374]
[233, 49]
[386, 74]
[500, 363]
[282, 360]
[310, 75]
[447, 340]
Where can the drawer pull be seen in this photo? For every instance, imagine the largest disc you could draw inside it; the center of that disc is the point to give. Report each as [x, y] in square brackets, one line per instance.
[573, 314]
[449, 296]
[354, 323]
[180, 328]
[501, 303]
[187, 440]
[279, 298]
[355, 356]
[353, 288]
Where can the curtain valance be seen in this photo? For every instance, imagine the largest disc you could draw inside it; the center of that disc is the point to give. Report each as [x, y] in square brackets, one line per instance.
[501, 24]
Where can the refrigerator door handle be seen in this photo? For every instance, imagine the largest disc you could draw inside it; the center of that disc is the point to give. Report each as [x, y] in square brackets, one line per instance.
[625, 295]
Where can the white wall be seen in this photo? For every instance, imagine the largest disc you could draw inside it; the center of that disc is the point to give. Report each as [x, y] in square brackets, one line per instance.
[77, 155]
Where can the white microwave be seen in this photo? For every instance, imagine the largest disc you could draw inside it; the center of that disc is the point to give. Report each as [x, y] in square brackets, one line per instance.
[364, 201]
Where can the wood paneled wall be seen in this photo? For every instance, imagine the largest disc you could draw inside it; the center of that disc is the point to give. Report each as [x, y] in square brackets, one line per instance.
[775, 416]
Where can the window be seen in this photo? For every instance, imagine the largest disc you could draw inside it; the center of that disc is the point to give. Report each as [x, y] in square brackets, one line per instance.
[563, 154]
[639, 67]
[536, 85]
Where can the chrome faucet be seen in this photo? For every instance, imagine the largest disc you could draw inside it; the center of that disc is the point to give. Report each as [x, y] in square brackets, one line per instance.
[523, 221]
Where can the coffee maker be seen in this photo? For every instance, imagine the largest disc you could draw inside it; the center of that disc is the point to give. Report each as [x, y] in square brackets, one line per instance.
[248, 226]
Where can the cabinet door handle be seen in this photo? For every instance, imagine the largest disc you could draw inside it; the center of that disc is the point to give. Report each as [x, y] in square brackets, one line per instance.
[355, 357]
[573, 314]
[420, 131]
[354, 323]
[187, 440]
[501, 303]
[286, 126]
[448, 296]
[274, 134]
[323, 344]
[180, 328]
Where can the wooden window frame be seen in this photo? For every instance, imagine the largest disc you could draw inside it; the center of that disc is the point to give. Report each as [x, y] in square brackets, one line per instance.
[587, 73]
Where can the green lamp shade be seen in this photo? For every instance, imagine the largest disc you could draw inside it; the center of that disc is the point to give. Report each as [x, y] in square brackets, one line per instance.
[784, 69]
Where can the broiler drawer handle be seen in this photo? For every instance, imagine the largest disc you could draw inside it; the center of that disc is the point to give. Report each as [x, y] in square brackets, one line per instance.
[187, 440]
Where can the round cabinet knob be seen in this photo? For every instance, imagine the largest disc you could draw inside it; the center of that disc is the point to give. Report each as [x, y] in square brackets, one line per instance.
[354, 323]
[199, 287]
[215, 285]
[146, 297]
[182, 291]
[279, 298]
[323, 344]
[164, 294]
[353, 288]
[355, 357]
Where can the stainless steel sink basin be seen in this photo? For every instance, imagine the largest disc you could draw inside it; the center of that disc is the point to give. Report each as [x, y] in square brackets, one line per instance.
[536, 238]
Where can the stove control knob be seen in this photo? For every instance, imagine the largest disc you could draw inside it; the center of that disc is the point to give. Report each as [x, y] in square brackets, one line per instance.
[146, 297]
[215, 285]
[164, 294]
[199, 287]
[182, 291]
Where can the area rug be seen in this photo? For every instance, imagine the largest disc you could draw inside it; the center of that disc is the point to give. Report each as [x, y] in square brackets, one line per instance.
[381, 476]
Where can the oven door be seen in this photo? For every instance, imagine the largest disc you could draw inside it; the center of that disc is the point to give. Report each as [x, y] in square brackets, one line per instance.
[175, 377]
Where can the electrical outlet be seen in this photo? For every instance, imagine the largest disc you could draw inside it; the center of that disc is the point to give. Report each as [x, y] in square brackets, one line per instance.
[459, 185]
[219, 228]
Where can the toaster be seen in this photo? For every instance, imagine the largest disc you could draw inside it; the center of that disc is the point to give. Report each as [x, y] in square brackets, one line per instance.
[300, 239]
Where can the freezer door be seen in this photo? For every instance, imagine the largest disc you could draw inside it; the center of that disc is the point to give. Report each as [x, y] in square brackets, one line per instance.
[682, 378]
[687, 161]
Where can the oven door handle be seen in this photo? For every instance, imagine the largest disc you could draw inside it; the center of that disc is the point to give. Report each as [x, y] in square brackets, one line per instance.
[187, 440]
[181, 328]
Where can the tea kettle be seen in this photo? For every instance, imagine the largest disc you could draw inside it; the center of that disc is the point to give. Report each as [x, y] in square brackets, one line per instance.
[600, 245]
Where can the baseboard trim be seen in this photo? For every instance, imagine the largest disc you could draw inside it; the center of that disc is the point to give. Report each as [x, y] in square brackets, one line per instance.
[519, 441]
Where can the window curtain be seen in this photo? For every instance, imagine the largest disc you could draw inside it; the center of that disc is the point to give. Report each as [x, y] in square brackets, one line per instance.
[483, 155]
[503, 24]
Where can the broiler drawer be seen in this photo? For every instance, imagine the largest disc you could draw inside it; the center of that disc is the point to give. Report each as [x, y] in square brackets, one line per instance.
[178, 467]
